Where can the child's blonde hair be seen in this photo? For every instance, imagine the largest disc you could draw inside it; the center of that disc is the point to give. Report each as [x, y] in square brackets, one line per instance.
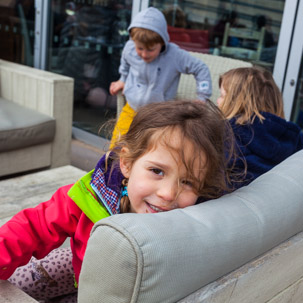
[145, 36]
[201, 124]
[250, 91]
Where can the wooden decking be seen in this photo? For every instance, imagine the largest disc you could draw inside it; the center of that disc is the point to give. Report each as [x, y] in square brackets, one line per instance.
[24, 192]
[11, 294]
[30, 190]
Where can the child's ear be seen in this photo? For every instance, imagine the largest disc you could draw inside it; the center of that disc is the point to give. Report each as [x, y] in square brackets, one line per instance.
[125, 164]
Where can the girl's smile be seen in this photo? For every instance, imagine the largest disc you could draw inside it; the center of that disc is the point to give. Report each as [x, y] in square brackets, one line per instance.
[155, 209]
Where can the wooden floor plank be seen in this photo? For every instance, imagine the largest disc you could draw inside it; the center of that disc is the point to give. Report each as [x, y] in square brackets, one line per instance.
[30, 190]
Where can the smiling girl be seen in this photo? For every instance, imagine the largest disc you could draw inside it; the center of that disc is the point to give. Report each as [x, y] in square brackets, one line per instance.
[173, 156]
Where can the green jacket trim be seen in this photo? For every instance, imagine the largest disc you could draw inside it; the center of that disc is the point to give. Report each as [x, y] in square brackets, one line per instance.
[83, 195]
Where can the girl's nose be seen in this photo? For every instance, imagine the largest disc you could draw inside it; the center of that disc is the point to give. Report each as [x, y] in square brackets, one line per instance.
[168, 192]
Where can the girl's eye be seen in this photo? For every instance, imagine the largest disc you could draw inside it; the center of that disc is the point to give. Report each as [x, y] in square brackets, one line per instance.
[187, 183]
[157, 171]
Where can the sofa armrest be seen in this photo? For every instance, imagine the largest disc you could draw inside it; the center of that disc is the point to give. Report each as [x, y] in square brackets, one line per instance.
[46, 92]
[165, 257]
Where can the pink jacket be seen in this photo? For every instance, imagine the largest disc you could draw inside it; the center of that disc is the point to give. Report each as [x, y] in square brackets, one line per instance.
[43, 229]
[71, 212]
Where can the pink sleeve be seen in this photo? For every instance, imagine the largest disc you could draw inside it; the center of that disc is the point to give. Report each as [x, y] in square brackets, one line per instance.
[37, 231]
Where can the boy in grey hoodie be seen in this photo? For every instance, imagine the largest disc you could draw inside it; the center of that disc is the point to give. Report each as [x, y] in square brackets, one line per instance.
[151, 67]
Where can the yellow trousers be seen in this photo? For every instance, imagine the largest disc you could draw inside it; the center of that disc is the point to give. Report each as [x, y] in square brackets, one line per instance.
[124, 121]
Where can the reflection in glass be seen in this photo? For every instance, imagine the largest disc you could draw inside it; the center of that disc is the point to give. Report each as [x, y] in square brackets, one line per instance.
[297, 115]
[86, 43]
[246, 30]
[17, 28]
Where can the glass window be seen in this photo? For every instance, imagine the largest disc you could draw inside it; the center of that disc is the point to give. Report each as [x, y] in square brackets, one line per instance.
[297, 115]
[86, 41]
[17, 28]
[246, 30]
[86, 38]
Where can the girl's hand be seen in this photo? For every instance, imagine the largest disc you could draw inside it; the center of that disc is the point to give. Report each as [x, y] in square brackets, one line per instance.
[115, 87]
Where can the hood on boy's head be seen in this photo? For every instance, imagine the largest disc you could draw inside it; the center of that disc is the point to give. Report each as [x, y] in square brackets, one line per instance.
[152, 19]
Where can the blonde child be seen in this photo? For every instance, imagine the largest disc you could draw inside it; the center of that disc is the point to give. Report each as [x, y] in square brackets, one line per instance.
[253, 103]
[174, 160]
[151, 67]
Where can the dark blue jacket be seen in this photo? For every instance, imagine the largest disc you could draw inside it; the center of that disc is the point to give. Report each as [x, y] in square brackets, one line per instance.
[264, 145]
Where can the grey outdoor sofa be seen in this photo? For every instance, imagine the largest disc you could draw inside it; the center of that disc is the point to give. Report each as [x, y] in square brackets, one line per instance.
[244, 247]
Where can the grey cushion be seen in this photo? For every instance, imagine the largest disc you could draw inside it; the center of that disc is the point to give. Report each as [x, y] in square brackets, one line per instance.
[167, 256]
[21, 127]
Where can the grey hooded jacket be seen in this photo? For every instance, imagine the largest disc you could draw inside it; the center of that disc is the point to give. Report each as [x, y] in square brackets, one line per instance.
[158, 80]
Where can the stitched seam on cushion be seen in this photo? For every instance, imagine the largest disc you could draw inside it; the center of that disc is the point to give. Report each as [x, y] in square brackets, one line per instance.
[134, 244]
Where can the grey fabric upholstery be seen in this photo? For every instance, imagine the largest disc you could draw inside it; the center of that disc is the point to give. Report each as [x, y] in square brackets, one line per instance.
[167, 256]
[21, 127]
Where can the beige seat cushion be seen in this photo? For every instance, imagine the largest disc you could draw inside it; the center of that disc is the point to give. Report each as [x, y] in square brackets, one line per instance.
[21, 127]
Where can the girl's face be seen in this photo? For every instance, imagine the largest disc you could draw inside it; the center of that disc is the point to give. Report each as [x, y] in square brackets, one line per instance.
[220, 100]
[148, 54]
[157, 181]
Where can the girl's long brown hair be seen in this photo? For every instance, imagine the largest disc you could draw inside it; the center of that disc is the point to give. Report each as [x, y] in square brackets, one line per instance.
[250, 91]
